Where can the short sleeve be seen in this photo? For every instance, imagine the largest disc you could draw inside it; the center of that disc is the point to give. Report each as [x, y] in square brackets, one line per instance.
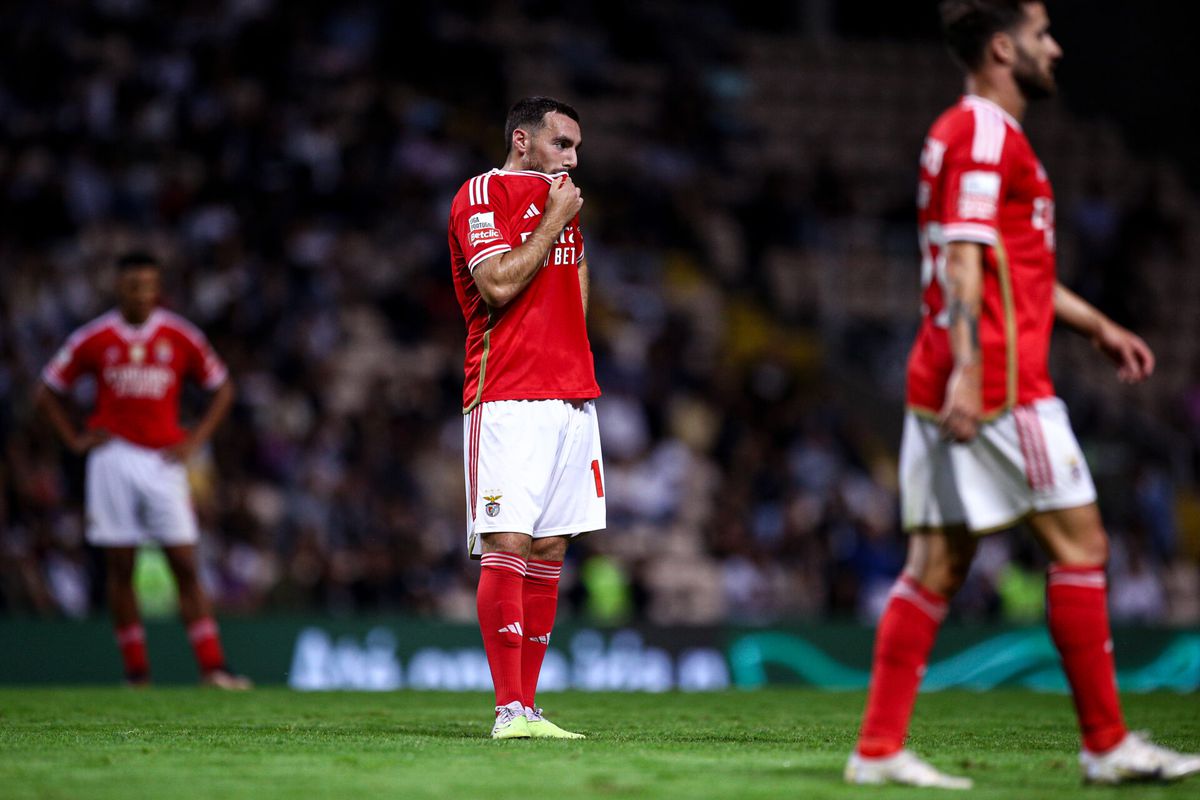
[479, 222]
[203, 364]
[973, 182]
[68, 364]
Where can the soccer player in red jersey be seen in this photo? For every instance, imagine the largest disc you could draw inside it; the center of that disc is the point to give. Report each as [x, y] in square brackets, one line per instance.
[531, 444]
[986, 442]
[136, 482]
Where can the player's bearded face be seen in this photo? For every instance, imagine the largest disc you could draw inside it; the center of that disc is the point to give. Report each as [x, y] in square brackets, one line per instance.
[554, 147]
[137, 293]
[1037, 54]
[1034, 75]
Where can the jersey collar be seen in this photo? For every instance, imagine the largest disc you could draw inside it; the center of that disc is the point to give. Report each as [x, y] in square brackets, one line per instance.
[546, 176]
[134, 333]
[976, 100]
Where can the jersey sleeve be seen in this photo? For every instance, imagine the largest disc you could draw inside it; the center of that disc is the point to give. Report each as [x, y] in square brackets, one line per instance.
[973, 182]
[203, 364]
[71, 361]
[479, 221]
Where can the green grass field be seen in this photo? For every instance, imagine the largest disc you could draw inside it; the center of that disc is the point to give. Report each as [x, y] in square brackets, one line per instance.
[273, 743]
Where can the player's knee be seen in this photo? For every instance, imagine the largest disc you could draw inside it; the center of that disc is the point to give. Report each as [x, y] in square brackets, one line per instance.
[1090, 548]
[553, 548]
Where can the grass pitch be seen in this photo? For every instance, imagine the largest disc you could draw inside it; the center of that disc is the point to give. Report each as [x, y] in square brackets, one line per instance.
[273, 743]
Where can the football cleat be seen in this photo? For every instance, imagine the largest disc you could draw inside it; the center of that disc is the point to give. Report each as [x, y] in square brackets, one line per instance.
[904, 767]
[224, 679]
[511, 722]
[542, 728]
[1137, 759]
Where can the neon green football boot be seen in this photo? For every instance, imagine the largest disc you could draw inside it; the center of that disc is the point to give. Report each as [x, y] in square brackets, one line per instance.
[542, 728]
[511, 722]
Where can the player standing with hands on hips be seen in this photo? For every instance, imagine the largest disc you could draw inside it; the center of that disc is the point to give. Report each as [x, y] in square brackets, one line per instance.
[136, 481]
[986, 443]
[531, 443]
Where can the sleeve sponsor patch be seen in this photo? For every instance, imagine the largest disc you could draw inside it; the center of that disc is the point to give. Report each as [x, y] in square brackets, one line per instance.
[483, 235]
[978, 194]
[484, 219]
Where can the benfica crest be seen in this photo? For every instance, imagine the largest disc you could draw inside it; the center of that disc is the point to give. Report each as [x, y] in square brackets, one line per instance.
[493, 505]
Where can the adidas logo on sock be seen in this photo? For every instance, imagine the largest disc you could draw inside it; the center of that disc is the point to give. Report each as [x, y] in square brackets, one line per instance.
[532, 211]
[512, 627]
[543, 639]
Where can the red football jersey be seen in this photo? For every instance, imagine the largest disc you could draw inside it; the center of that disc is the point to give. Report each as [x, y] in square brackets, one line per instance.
[139, 372]
[536, 347]
[981, 182]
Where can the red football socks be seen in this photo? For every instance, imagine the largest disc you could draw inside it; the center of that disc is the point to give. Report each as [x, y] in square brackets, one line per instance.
[132, 641]
[1077, 614]
[501, 621]
[902, 643]
[541, 603]
[206, 643]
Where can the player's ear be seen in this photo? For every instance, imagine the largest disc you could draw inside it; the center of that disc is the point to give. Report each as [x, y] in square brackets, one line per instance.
[520, 141]
[1003, 48]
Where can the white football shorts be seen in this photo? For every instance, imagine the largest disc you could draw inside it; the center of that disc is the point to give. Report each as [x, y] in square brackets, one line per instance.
[534, 467]
[1024, 461]
[136, 496]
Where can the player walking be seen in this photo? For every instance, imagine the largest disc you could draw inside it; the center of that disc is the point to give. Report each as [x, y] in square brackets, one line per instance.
[531, 443]
[986, 443]
[136, 482]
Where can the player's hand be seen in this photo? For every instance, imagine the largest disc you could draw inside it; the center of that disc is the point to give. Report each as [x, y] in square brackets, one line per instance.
[182, 452]
[89, 439]
[1131, 354]
[563, 202]
[963, 410]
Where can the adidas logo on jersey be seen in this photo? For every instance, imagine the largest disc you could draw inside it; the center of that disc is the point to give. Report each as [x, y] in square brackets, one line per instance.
[512, 627]
[543, 639]
[532, 211]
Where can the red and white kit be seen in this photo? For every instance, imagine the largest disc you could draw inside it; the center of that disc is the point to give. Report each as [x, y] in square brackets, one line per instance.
[133, 493]
[981, 182]
[531, 443]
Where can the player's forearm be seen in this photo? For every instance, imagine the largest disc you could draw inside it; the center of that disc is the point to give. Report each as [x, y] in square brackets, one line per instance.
[964, 286]
[51, 407]
[218, 409]
[501, 278]
[1076, 313]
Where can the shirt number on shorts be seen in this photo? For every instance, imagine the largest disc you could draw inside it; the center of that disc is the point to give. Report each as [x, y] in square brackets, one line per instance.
[596, 475]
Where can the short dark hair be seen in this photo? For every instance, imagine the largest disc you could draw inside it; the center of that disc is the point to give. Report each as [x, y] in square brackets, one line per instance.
[530, 113]
[969, 25]
[137, 259]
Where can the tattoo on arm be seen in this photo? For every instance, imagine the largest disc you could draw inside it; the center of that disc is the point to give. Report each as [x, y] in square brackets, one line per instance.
[961, 312]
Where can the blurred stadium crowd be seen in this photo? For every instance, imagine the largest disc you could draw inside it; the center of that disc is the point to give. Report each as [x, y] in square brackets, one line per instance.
[754, 289]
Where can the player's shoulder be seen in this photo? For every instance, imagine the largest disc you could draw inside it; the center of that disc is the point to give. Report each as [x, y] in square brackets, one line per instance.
[168, 320]
[103, 325]
[481, 190]
[976, 126]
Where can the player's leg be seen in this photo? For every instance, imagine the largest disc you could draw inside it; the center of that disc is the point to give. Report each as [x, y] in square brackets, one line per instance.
[1077, 615]
[937, 565]
[574, 503]
[509, 449]
[500, 608]
[122, 606]
[170, 519]
[196, 612]
[540, 600]
[541, 606]
[113, 525]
